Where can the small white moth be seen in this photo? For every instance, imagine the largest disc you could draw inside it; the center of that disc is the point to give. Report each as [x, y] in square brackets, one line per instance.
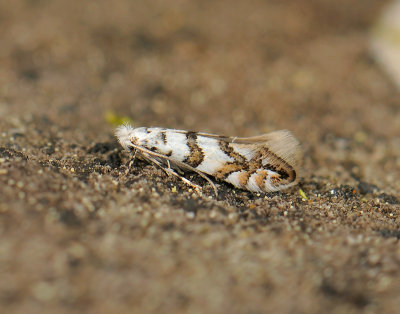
[262, 163]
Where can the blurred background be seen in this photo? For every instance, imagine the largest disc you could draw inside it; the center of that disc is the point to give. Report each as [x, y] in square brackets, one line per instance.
[238, 68]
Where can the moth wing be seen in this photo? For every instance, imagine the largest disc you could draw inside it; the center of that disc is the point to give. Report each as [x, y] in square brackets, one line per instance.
[279, 148]
[280, 143]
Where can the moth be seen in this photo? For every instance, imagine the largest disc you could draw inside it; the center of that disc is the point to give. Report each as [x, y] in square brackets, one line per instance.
[265, 163]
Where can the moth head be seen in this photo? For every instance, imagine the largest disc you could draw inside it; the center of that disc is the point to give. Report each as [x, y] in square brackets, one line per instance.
[127, 135]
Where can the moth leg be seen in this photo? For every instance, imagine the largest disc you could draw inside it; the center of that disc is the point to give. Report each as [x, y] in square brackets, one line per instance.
[169, 171]
[130, 163]
[177, 170]
[199, 173]
[209, 181]
[149, 155]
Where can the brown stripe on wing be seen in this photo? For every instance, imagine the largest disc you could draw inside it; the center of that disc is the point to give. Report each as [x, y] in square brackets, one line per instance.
[240, 163]
[279, 170]
[243, 178]
[260, 177]
[281, 167]
[275, 180]
[248, 169]
[196, 155]
[164, 137]
[224, 171]
[227, 149]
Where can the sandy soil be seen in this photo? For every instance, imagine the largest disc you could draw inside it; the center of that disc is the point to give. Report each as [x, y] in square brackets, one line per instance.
[80, 233]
